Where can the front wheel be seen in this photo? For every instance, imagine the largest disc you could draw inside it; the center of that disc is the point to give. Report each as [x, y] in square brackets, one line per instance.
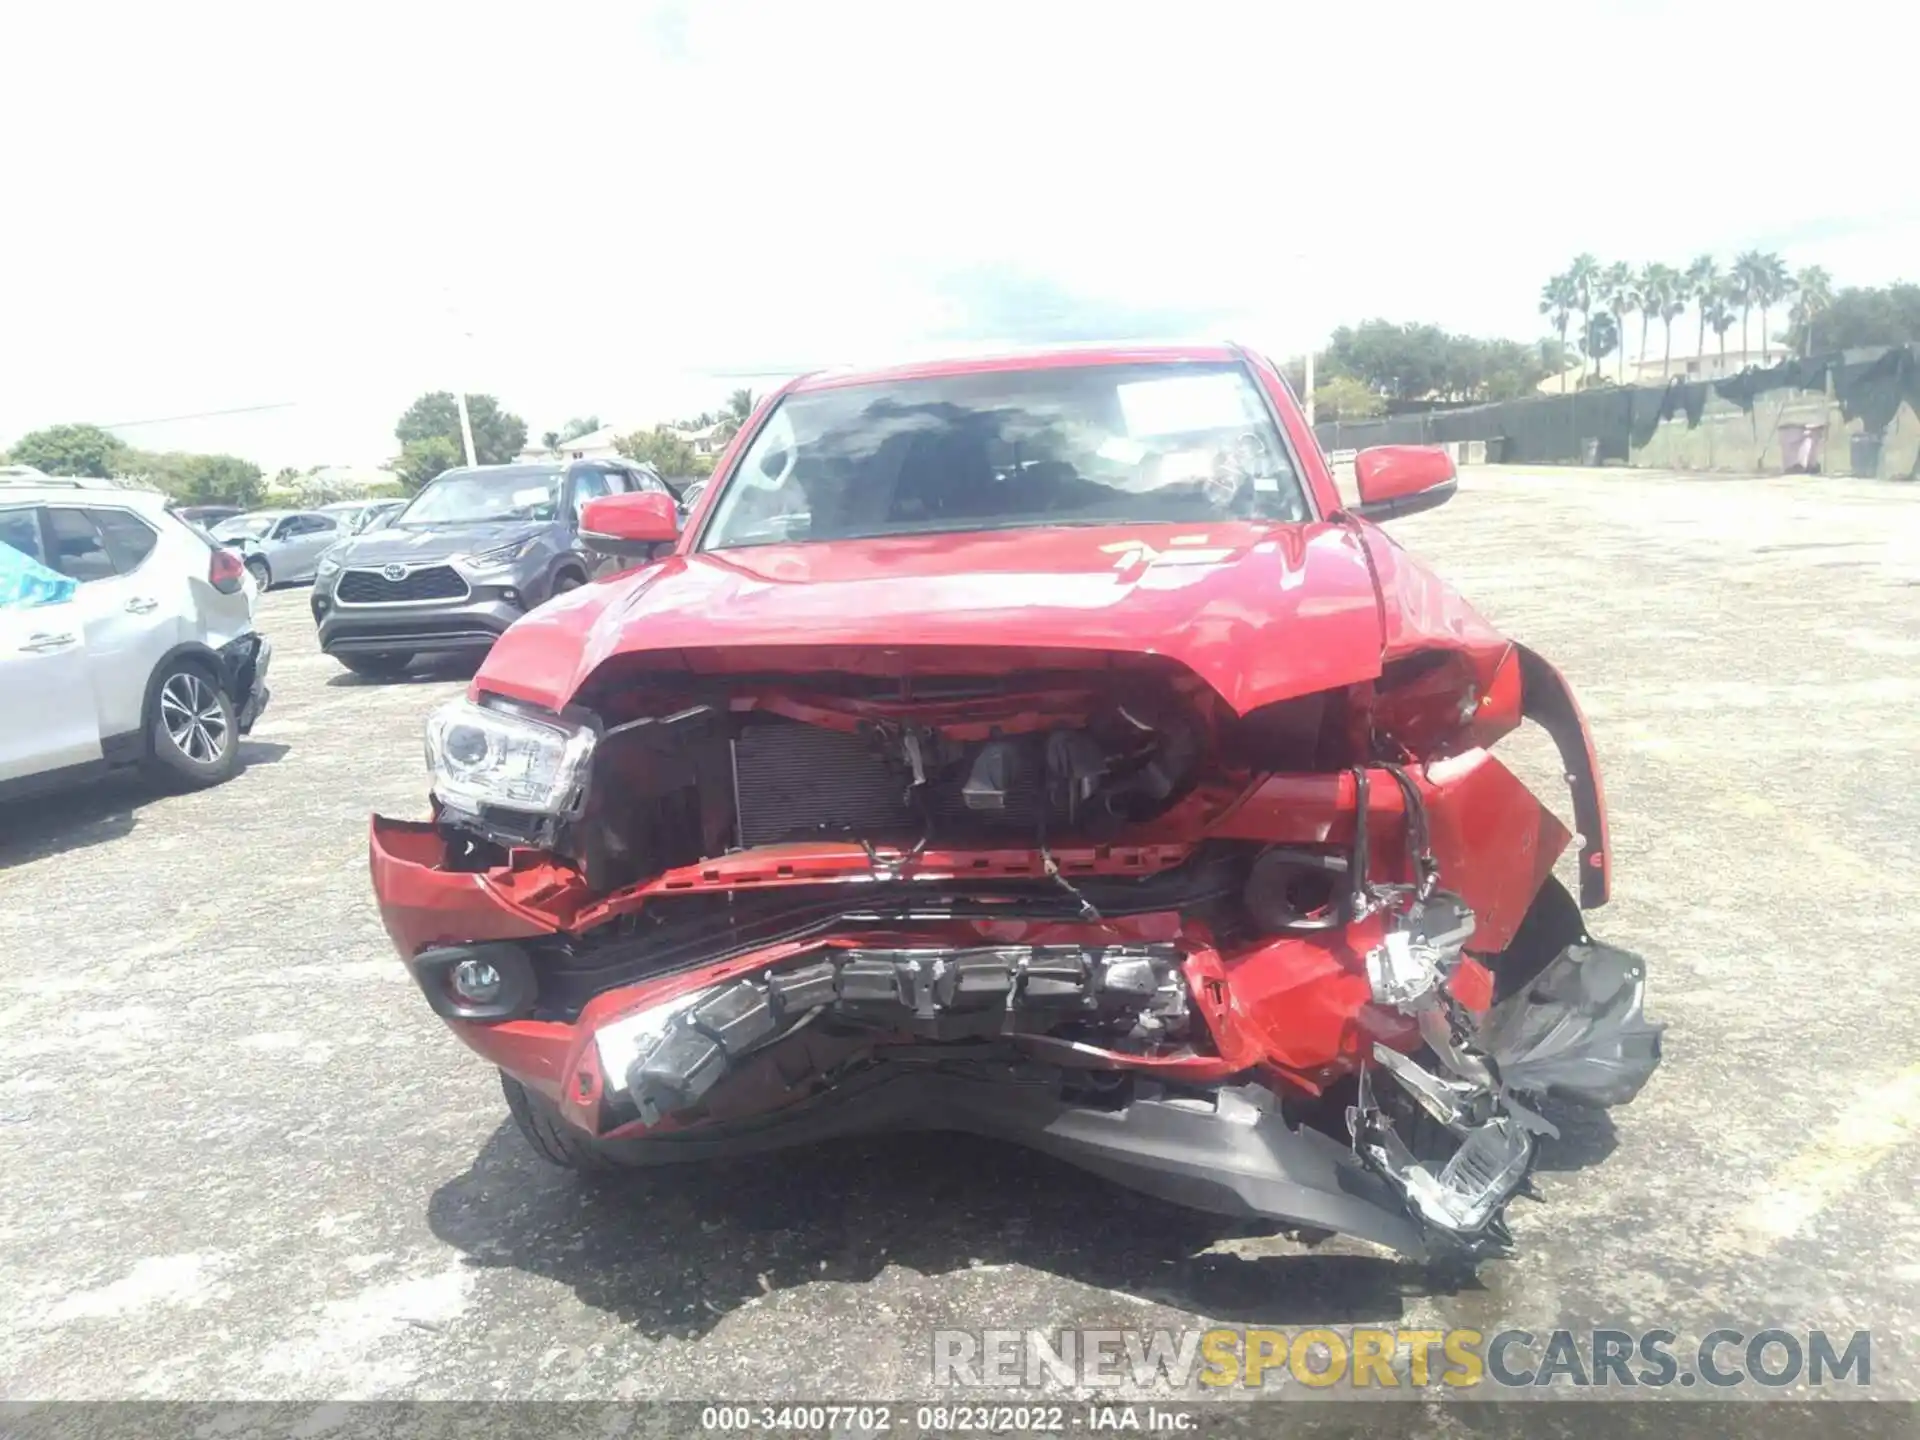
[261, 572]
[385, 663]
[552, 1139]
[192, 737]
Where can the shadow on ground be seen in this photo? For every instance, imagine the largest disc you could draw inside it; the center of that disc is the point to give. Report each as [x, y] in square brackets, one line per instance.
[91, 813]
[672, 1250]
[438, 668]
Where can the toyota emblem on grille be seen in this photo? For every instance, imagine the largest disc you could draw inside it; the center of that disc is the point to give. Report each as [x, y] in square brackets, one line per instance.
[394, 572]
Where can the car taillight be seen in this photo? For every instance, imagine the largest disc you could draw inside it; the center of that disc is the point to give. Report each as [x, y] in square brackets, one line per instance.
[225, 572]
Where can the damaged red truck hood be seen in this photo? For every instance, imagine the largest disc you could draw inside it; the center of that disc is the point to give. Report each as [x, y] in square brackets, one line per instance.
[1259, 612]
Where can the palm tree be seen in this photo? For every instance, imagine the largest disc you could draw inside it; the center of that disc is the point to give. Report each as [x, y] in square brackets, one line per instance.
[1557, 303]
[1702, 282]
[1584, 276]
[1615, 289]
[1772, 283]
[1749, 270]
[1814, 298]
[1671, 309]
[1658, 286]
[739, 407]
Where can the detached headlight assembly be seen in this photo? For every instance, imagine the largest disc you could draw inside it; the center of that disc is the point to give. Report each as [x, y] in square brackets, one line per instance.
[480, 755]
[501, 556]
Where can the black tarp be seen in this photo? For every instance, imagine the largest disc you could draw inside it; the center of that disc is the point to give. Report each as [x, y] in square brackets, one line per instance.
[1551, 429]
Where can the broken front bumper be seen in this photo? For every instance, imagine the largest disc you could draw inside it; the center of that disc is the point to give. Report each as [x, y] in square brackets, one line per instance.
[243, 669]
[721, 1057]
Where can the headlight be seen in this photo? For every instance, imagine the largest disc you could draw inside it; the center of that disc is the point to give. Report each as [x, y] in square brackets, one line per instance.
[501, 556]
[621, 1042]
[326, 566]
[485, 756]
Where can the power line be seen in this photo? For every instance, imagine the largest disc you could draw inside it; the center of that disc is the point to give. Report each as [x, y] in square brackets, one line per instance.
[201, 415]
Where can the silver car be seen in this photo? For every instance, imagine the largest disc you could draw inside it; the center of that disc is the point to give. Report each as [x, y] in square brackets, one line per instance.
[280, 547]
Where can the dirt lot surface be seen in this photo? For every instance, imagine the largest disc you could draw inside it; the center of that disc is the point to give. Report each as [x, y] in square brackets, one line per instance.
[239, 1157]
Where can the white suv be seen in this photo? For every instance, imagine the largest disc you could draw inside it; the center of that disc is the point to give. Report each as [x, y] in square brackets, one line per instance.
[152, 660]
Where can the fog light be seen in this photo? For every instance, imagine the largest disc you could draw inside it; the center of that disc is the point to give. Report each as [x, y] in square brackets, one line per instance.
[476, 982]
[512, 597]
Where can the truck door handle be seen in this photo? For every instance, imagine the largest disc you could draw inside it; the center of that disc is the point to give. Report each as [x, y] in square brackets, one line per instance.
[44, 642]
[141, 605]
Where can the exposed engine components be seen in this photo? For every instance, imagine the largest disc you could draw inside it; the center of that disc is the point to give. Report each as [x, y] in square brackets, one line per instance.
[1421, 949]
[667, 1059]
[1292, 891]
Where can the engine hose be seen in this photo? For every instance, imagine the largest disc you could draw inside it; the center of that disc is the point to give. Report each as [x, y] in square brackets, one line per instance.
[1419, 835]
[1362, 899]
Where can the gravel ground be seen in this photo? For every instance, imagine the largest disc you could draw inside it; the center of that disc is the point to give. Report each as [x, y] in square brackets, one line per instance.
[240, 1158]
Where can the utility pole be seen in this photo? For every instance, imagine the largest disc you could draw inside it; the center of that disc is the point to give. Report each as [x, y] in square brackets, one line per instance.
[466, 422]
[456, 316]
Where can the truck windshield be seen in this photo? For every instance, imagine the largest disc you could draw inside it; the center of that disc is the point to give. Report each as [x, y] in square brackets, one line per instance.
[1177, 443]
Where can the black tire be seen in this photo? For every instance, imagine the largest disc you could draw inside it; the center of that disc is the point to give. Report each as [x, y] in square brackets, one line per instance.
[566, 580]
[192, 737]
[552, 1139]
[261, 571]
[384, 663]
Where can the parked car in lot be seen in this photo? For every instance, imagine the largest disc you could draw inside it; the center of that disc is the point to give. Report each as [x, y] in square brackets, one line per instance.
[354, 516]
[377, 515]
[474, 551]
[151, 659]
[207, 516]
[1035, 746]
[280, 547]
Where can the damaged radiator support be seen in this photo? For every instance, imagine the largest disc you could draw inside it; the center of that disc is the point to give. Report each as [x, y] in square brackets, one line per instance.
[668, 1058]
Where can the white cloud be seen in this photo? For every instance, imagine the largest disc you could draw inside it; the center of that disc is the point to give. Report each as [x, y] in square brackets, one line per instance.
[227, 205]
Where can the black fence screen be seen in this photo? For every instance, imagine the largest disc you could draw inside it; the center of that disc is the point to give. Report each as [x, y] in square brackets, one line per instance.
[1609, 423]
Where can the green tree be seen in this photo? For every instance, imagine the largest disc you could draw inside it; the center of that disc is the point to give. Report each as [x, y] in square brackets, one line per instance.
[498, 435]
[72, 450]
[198, 479]
[1414, 361]
[1345, 398]
[222, 480]
[1872, 315]
[1813, 297]
[1600, 339]
[1702, 286]
[1557, 299]
[665, 451]
[739, 406]
[424, 459]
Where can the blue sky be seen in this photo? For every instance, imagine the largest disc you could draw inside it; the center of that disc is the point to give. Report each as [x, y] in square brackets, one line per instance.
[625, 206]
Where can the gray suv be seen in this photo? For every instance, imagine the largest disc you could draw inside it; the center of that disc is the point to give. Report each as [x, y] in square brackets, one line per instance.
[474, 551]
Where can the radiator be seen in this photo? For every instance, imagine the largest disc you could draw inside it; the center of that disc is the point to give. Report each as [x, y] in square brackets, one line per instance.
[795, 781]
